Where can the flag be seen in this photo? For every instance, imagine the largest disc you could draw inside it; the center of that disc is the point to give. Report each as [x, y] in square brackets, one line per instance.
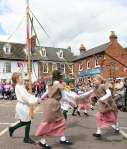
[25, 54]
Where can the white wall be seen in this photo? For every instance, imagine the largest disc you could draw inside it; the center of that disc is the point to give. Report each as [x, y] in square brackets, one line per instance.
[15, 68]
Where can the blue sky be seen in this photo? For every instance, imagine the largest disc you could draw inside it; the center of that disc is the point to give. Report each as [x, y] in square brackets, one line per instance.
[68, 22]
[2, 32]
[4, 8]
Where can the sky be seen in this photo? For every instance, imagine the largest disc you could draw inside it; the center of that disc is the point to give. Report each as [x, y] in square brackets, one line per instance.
[67, 22]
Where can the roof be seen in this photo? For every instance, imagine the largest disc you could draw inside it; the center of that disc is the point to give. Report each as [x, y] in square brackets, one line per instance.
[51, 55]
[93, 51]
[17, 53]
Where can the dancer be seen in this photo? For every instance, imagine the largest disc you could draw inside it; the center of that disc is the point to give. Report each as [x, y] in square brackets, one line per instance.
[53, 123]
[108, 113]
[24, 101]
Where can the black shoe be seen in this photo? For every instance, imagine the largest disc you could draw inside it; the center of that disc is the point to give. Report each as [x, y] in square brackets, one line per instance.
[86, 114]
[97, 135]
[30, 141]
[117, 132]
[78, 113]
[45, 146]
[92, 109]
[73, 114]
[10, 132]
[66, 142]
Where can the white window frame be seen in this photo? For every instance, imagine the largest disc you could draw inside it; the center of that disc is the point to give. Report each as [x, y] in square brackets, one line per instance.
[80, 69]
[72, 70]
[59, 53]
[88, 61]
[64, 67]
[44, 68]
[54, 66]
[7, 46]
[97, 61]
[43, 52]
[5, 67]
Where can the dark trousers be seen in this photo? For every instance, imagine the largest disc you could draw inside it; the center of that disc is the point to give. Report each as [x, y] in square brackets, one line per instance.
[27, 128]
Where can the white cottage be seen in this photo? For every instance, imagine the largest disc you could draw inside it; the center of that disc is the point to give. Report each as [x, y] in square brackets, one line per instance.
[12, 59]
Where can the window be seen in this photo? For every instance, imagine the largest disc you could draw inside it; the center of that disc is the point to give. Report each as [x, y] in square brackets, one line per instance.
[88, 64]
[97, 62]
[62, 68]
[60, 54]
[43, 52]
[81, 66]
[45, 68]
[54, 66]
[71, 70]
[7, 67]
[7, 48]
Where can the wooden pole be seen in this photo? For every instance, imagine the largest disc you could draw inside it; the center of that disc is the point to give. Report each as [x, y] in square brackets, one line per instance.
[29, 56]
[28, 47]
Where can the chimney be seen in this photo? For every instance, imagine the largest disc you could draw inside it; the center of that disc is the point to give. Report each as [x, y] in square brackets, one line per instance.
[69, 48]
[113, 37]
[82, 49]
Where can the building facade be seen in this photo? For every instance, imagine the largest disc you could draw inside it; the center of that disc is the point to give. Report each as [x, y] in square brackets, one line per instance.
[13, 58]
[56, 58]
[109, 60]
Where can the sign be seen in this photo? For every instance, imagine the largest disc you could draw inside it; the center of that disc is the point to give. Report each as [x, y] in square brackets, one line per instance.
[90, 72]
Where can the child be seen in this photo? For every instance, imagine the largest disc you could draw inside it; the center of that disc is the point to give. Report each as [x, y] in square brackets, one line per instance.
[53, 123]
[25, 100]
[108, 114]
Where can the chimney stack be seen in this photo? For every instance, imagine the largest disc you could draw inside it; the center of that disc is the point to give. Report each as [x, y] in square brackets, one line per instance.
[82, 49]
[113, 37]
[69, 48]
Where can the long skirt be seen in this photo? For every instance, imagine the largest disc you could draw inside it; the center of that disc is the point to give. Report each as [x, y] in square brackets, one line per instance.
[56, 128]
[107, 119]
[85, 106]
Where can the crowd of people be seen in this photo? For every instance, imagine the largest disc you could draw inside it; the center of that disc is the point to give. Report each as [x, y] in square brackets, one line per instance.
[57, 98]
[7, 91]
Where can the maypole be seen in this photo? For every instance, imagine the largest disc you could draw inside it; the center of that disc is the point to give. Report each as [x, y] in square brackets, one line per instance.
[29, 47]
[29, 56]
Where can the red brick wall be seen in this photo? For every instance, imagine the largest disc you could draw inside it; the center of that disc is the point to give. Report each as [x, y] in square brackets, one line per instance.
[116, 51]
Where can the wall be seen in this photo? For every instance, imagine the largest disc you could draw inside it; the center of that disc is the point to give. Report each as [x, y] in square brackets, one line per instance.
[15, 68]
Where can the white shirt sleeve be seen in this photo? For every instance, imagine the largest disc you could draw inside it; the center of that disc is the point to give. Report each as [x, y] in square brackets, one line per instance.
[69, 96]
[107, 95]
[86, 93]
[23, 96]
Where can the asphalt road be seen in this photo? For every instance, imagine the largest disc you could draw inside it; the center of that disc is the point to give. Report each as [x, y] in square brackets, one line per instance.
[79, 129]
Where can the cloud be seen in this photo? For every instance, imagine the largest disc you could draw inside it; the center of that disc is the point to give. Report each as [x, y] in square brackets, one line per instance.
[70, 22]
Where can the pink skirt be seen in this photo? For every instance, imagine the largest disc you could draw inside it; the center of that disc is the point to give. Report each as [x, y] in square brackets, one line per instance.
[107, 119]
[85, 106]
[56, 128]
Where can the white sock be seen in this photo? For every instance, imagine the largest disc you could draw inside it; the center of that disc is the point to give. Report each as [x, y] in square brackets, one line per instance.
[63, 138]
[98, 131]
[85, 111]
[116, 127]
[43, 141]
[78, 109]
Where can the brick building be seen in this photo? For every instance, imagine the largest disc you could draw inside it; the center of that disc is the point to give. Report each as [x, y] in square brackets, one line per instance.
[109, 60]
[56, 58]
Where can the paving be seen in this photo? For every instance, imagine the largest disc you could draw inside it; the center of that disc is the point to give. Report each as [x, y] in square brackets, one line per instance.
[79, 129]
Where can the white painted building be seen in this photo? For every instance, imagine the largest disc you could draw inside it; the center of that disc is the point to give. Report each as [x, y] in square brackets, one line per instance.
[8, 67]
[12, 60]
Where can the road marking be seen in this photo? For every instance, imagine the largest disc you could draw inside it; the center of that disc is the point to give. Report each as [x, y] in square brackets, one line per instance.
[6, 129]
[6, 123]
[123, 134]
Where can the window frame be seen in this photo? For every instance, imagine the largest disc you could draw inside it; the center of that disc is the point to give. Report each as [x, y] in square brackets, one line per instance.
[7, 68]
[44, 68]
